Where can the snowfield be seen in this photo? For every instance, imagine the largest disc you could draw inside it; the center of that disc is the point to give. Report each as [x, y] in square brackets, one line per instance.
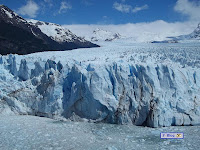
[29, 133]
[121, 82]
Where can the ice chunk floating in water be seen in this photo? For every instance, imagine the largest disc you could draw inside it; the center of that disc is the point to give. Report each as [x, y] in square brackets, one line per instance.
[149, 84]
[30, 132]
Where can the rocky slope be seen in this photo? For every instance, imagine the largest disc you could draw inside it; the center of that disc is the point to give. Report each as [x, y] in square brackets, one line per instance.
[20, 37]
[57, 32]
[141, 84]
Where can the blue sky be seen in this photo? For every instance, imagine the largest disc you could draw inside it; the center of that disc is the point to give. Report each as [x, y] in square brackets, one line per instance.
[106, 11]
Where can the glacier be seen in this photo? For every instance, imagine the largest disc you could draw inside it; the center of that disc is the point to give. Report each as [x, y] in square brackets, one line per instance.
[151, 85]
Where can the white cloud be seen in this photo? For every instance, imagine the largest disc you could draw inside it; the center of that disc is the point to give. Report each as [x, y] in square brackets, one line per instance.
[188, 8]
[128, 8]
[136, 9]
[49, 2]
[146, 31]
[122, 7]
[64, 6]
[139, 32]
[105, 20]
[30, 9]
[87, 2]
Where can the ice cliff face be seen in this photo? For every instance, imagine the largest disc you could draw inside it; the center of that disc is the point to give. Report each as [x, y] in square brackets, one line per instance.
[124, 88]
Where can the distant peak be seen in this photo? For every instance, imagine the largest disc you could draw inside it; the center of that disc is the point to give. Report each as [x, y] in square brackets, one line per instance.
[104, 35]
[3, 6]
[97, 29]
[199, 25]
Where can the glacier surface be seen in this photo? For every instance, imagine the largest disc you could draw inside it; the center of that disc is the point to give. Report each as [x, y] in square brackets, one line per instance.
[142, 84]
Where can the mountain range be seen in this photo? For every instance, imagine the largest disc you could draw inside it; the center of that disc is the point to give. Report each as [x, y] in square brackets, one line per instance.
[20, 36]
[192, 37]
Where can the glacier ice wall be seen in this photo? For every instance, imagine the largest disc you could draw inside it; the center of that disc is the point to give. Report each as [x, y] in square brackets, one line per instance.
[153, 95]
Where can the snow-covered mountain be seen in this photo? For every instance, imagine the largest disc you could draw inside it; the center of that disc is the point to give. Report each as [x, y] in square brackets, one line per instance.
[56, 32]
[195, 35]
[192, 37]
[103, 35]
[141, 84]
[8, 15]
[19, 36]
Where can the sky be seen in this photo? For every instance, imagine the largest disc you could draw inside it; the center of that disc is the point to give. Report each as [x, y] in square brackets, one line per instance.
[106, 11]
[128, 17]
